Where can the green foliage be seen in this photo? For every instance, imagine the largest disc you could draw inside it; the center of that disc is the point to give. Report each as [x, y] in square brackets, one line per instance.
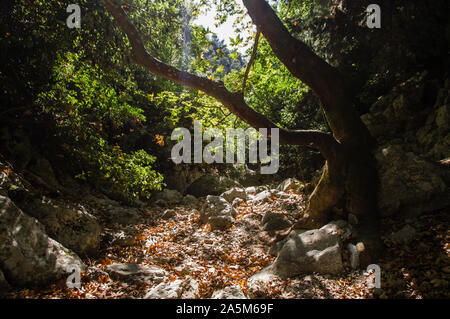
[87, 110]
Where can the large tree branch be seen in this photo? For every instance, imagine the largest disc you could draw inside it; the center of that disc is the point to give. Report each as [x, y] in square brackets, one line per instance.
[235, 102]
[307, 66]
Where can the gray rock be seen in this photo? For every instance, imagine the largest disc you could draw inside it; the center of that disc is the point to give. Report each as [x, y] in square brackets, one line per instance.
[230, 292]
[404, 235]
[74, 227]
[234, 193]
[304, 252]
[135, 272]
[122, 238]
[409, 184]
[184, 289]
[27, 255]
[218, 213]
[288, 184]
[190, 200]
[262, 197]
[250, 190]
[211, 184]
[124, 215]
[172, 290]
[169, 196]
[275, 221]
[168, 214]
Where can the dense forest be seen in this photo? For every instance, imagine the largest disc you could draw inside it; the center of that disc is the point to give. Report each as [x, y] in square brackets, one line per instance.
[348, 101]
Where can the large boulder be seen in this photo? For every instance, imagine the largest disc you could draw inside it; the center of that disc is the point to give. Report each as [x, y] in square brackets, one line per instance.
[218, 213]
[28, 256]
[409, 184]
[211, 184]
[304, 252]
[72, 226]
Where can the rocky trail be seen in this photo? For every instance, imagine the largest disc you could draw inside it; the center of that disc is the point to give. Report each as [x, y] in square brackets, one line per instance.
[219, 247]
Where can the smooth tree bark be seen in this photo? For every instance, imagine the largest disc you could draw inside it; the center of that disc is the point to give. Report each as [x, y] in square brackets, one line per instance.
[349, 177]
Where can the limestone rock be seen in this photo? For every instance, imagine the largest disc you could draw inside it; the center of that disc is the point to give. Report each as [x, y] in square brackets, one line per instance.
[275, 221]
[288, 184]
[304, 252]
[210, 185]
[408, 183]
[218, 213]
[135, 272]
[230, 292]
[27, 255]
[234, 193]
[72, 226]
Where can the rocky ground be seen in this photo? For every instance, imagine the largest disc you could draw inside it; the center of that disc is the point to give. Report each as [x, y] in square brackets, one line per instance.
[219, 247]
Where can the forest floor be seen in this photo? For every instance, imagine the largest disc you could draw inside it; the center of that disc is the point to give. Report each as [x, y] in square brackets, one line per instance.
[186, 248]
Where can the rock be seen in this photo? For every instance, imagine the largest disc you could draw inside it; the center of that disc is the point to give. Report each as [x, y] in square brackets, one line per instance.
[262, 197]
[250, 190]
[124, 215]
[185, 289]
[135, 272]
[282, 195]
[288, 184]
[230, 292]
[305, 252]
[258, 281]
[172, 290]
[218, 213]
[234, 193]
[275, 221]
[168, 214]
[404, 235]
[211, 185]
[74, 227]
[122, 238]
[28, 256]
[408, 183]
[190, 200]
[171, 197]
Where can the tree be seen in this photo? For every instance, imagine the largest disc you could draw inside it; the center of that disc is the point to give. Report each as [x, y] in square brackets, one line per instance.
[349, 177]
